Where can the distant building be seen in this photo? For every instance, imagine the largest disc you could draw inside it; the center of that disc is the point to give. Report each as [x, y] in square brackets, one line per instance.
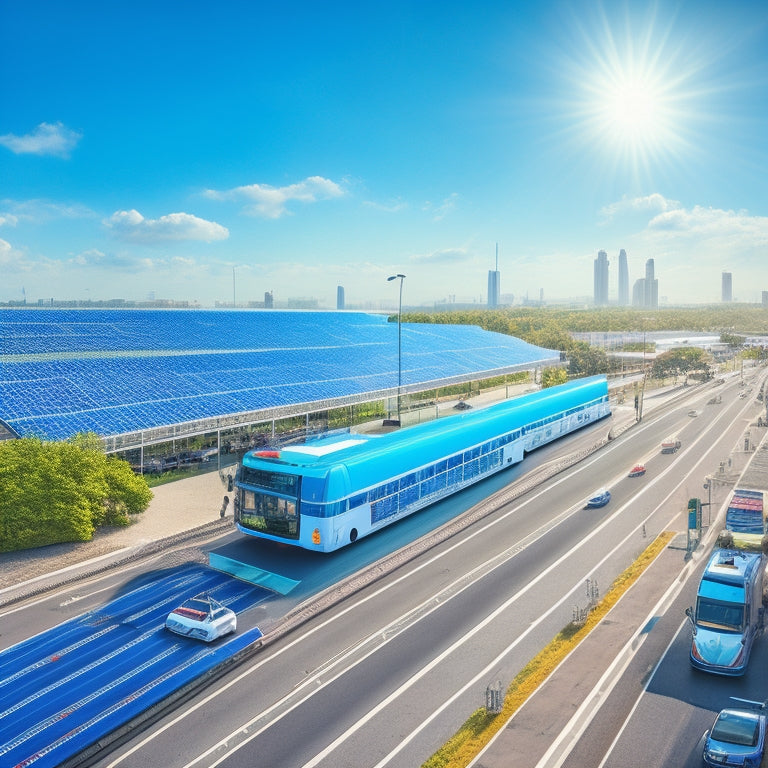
[638, 293]
[494, 285]
[765, 299]
[727, 288]
[339, 297]
[601, 279]
[623, 279]
[645, 291]
[268, 300]
[651, 287]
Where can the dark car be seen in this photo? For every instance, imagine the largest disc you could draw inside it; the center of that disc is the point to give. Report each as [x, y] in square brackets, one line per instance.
[736, 738]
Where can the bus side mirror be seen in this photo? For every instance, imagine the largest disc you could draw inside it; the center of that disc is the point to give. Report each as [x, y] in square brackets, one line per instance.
[689, 614]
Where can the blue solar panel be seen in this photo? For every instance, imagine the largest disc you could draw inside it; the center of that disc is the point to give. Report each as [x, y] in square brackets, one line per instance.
[120, 371]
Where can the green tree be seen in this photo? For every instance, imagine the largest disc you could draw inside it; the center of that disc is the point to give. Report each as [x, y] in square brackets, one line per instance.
[584, 360]
[53, 492]
[128, 494]
[550, 377]
[681, 361]
[733, 340]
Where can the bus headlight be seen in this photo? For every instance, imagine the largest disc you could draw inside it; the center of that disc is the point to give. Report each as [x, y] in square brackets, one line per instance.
[316, 536]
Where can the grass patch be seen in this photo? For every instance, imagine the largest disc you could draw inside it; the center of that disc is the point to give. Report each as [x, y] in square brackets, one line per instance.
[481, 726]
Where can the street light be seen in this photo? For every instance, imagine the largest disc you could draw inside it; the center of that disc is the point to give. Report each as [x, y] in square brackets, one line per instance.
[399, 342]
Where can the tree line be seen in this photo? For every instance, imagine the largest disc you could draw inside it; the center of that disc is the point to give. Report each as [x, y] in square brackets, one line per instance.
[552, 328]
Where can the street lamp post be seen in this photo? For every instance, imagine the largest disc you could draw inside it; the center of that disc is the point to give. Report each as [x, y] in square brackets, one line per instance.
[399, 342]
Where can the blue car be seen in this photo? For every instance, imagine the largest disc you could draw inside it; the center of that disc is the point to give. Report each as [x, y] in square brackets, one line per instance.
[599, 498]
[736, 738]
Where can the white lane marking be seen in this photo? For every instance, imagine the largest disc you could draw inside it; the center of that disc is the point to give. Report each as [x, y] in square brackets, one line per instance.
[564, 743]
[628, 719]
[464, 639]
[597, 690]
[360, 601]
[322, 626]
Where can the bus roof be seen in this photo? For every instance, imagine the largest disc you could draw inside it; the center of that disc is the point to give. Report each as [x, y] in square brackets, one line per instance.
[366, 457]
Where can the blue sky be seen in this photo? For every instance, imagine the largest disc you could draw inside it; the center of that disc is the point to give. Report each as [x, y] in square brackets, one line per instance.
[158, 148]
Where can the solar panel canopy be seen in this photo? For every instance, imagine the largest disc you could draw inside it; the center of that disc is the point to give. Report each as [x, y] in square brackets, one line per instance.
[128, 372]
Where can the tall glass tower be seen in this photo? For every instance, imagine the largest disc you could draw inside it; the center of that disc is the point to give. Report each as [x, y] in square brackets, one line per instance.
[494, 283]
[727, 287]
[623, 279]
[651, 298]
[601, 279]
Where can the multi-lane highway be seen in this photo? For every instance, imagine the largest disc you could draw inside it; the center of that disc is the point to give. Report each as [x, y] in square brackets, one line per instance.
[391, 671]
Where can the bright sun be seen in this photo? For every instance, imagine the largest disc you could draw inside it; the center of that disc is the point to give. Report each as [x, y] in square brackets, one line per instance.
[633, 109]
[630, 91]
[629, 112]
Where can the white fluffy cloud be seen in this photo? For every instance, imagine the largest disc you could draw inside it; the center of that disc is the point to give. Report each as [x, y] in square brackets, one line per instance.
[652, 202]
[691, 247]
[47, 139]
[272, 202]
[133, 227]
[714, 222]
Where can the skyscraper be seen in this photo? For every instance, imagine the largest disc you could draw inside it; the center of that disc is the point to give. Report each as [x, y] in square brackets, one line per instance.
[651, 299]
[339, 297]
[493, 289]
[494, 283]
[638, 293]
[727, 288]
[623, 279]
[645, 292]
[601, 279]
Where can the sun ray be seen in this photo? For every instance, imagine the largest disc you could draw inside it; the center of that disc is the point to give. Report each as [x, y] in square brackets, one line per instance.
[631, 93]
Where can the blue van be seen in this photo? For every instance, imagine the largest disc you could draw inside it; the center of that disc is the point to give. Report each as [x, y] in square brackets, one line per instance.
[729, 612]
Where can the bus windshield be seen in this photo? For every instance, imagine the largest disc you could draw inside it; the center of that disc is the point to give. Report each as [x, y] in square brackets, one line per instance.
[268, 513]
[720, 615]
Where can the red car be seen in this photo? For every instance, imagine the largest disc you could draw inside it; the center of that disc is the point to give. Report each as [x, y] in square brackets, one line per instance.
[637, 470]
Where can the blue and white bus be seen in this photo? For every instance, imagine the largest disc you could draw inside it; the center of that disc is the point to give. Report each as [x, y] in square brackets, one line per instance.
[329, 492]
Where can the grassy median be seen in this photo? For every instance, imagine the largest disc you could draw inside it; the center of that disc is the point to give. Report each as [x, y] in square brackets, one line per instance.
[482, 726]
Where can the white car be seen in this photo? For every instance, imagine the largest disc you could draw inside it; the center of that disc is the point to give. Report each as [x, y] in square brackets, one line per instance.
[203, 618]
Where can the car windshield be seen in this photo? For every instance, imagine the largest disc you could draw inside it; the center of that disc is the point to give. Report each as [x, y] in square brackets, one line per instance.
[736, 728]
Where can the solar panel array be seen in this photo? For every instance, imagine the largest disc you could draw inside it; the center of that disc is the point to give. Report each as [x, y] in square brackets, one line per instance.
[115, 372]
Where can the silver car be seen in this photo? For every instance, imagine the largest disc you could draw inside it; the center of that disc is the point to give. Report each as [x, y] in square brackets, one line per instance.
[203, 618]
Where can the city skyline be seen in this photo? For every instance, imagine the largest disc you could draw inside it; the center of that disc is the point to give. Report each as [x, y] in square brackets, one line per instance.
[162, 152]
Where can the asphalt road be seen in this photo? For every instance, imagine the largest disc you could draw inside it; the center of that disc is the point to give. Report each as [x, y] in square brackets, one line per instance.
[387, 675]
[392, 670]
